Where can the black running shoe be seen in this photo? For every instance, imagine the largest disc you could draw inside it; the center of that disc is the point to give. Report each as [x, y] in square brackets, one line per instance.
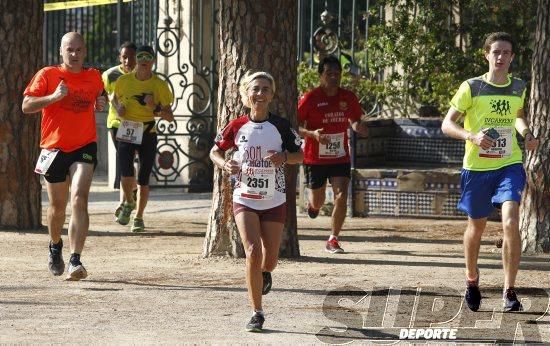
[312, 212]
[256, 323]
[55, 261]
[511, 302]
[472, 297]
[267, 283]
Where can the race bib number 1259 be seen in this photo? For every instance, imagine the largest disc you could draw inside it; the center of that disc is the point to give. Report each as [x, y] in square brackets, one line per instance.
[334, 148]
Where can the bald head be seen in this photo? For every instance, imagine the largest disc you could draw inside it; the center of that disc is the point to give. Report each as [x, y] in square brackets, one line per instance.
[72, 37]
[73, 51]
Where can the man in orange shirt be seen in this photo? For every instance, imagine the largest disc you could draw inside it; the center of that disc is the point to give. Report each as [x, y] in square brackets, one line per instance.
[67, 95]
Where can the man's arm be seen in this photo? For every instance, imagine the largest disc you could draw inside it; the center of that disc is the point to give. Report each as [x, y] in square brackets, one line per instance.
[33, 104]
[165, 112]
[360, 127]
[531, 143]
[452, 129]
[315, 134]
[119, 107]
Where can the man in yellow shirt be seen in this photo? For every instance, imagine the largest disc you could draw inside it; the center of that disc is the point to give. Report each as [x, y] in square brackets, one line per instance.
[140, 96]
[492, 174]
[127, 58]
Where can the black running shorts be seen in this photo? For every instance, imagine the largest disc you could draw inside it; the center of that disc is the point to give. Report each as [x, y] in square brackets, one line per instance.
[147, 151]
[317, 175]
[59, 169]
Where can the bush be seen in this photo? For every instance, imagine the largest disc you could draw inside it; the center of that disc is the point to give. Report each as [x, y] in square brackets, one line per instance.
[423, 56]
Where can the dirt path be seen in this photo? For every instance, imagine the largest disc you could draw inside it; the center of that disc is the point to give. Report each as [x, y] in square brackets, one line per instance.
[156, 288]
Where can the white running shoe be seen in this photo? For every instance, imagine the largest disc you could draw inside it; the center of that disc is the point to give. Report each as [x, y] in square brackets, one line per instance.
[76, 273]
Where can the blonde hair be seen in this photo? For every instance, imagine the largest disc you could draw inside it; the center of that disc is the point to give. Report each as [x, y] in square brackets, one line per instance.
[249, 78]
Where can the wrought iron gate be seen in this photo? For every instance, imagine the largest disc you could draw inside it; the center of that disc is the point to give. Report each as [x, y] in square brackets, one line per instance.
[186, 58]
[184, 33]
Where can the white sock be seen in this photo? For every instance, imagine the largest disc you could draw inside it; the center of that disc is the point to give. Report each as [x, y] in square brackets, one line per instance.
[258, 312]
[332, 237]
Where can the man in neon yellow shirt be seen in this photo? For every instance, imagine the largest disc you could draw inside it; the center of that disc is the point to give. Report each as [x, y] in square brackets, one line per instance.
[127, 58]
[492, 174]
[140, 96]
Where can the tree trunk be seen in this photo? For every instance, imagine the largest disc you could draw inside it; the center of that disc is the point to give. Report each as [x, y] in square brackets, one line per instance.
[259, 35]
[20, 57]
[535, 214]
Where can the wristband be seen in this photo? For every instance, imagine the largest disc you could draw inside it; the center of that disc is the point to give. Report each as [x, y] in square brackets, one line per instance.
[526, 132]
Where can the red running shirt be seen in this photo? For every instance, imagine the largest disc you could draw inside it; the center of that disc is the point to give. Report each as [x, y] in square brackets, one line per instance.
[68, 124]
[332, 113]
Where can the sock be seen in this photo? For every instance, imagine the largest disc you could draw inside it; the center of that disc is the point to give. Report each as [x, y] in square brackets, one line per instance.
[258, 312]
[471, 282]
[75, 259]
[57, 246]
[332, 237]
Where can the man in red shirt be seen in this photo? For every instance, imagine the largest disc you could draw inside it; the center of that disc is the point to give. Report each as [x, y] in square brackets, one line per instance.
[325, 114]
[67, 95]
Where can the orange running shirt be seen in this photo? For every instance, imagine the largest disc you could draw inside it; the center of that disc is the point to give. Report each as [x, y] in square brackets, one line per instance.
[68, 124]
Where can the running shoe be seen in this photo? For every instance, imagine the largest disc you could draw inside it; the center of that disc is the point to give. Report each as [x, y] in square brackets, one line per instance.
[333, 246]
[118, 210]
[256, 323]
[55, 260]
[76, 272]
[124, 216]
[267, 283]
[472, 296]
[312, 212]
[138, 225]
[511, 302]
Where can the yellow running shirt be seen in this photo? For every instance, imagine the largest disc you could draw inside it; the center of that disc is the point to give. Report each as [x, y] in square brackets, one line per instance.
[490, 106]
[131, 92]
[110, 77]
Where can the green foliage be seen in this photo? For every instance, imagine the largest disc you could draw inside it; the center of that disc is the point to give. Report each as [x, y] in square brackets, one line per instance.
[429, 47]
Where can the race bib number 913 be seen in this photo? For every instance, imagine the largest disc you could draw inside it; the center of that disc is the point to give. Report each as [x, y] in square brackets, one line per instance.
[502, 145]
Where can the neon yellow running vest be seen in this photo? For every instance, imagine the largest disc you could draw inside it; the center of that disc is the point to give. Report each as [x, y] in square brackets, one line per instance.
[485, 106]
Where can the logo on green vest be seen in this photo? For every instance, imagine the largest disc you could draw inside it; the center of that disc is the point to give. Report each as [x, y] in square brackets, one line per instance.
[500, 107]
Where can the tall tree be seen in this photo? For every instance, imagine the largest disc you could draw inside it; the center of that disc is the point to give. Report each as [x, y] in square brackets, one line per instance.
[259, 35]
[535, 215]
[20, 57]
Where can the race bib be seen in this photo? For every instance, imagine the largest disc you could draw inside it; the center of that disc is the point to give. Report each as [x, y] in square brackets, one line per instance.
[45, 159]
[257, 182]
[333, 149]
[130, 131]
[502, 146]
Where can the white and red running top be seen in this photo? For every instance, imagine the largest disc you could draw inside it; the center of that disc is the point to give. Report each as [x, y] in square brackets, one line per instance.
[317, 110]
[260, 185]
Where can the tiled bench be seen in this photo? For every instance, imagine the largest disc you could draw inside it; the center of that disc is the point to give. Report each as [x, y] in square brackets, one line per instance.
[405, 167]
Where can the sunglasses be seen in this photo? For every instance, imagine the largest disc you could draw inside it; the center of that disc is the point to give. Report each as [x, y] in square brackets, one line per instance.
[144, 56]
